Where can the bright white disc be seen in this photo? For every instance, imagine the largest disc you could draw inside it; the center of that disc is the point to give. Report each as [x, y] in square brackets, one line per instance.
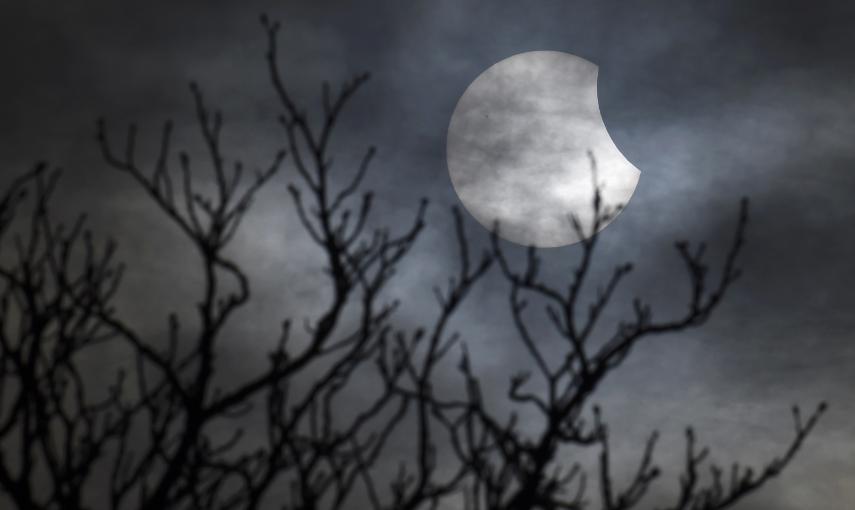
[518, 145]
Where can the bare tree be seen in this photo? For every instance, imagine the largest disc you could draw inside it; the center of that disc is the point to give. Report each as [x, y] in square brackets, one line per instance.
[502, 465]
[56, 282]
[157, 431]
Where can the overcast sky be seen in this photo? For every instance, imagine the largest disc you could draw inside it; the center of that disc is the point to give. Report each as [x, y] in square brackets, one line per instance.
[712, 101]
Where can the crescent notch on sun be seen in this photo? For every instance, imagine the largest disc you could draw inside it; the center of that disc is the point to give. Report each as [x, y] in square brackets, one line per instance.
[519, 145]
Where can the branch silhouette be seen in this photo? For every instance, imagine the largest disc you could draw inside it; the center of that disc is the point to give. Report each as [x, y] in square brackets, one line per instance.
[171, 432]
[513, 468]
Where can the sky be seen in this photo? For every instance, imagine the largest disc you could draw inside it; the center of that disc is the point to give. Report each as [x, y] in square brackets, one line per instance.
[711, 101]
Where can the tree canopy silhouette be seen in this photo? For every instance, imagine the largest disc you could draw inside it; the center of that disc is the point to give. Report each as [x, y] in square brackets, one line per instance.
[169, 432]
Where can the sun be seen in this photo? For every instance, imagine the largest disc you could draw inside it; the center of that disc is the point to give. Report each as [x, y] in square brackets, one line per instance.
[519, 145]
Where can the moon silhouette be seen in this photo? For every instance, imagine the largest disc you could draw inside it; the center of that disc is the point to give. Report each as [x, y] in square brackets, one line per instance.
[518, 149]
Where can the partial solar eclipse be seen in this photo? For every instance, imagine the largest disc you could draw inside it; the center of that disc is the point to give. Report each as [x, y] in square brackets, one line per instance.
[518, 145]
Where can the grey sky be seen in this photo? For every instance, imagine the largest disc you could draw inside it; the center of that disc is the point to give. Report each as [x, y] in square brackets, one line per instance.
[711, 101]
